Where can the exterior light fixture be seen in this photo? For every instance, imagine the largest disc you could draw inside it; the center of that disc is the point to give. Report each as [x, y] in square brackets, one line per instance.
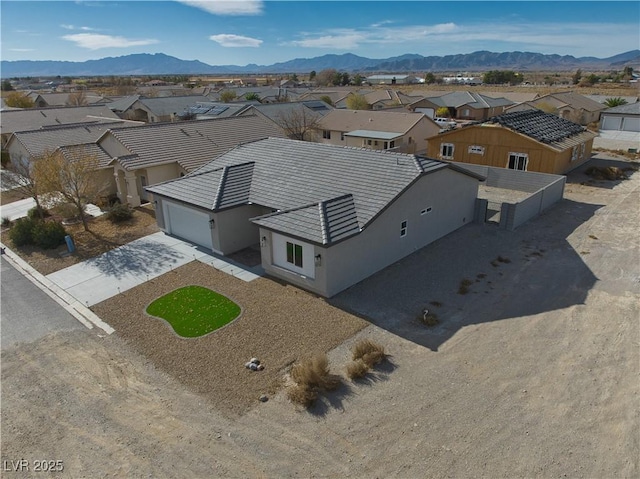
[212, 223]
[318, 259]
[263, 241]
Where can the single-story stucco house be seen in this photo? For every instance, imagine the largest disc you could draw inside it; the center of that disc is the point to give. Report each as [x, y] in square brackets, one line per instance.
[325, 216]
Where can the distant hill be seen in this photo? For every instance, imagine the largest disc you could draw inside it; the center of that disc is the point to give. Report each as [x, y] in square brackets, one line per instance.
[159, 63]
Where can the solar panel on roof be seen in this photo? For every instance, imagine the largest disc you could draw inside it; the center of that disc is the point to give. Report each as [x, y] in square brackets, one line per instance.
[216, 110]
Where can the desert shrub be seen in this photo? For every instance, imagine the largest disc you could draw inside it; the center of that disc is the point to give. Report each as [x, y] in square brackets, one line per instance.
[368, 348]
[22, 232]
[6, 221]
[48, 235]
[373, 358]
[302, 395]
[464, 286]
[119, 213]
[35, 213]
[357, 369]
[314, 373]
[65, 210]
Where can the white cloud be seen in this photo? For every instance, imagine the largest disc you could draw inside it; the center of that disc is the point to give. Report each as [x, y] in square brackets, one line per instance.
[73, 27]
[21, 50]
[229, 40]
[94, 41]
[227, 7]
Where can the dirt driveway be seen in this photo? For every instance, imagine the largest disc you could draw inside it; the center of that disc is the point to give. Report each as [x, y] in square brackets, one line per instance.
[533, 373]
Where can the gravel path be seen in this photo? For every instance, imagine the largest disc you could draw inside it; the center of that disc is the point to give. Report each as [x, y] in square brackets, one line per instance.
[278, 324]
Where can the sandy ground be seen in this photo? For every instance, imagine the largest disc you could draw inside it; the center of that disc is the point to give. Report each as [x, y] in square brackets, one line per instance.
[533, 373]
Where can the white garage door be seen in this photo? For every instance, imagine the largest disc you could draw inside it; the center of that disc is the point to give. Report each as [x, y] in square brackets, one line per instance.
[611, 123]
[631, 124]
[188, 224]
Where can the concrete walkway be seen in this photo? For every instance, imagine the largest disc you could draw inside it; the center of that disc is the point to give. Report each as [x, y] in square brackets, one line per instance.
[19, 209]
[123, 268]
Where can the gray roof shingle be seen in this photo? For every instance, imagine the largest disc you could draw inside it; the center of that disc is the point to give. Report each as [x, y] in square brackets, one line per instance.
[191, 143]
[541, 126]
[322, 193]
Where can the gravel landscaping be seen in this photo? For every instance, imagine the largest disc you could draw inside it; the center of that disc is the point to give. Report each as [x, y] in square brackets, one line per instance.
[279, 324]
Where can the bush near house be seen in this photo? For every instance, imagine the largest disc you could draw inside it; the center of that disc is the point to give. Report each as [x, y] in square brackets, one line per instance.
[119, 213]
[46, 235]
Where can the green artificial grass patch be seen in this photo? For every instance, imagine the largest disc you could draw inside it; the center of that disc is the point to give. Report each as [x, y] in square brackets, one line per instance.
[194, 311]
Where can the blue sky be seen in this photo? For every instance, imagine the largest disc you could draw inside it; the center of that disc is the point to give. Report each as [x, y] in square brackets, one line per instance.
[265, 32]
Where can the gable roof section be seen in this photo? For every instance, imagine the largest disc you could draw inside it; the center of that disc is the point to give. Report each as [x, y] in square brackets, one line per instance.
[323, 193]
[191, 144]
[457, 99]
[352, 120]
[36, 142]
[576, 100]
[32, 119]
[543, 127]
[90, 150]
[629, 109]
[165, 106]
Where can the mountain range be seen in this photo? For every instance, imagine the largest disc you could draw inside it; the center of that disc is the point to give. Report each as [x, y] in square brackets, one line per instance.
[159, 63]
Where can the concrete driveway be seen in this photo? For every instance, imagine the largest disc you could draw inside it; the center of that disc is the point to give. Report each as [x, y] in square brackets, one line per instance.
[120, 269]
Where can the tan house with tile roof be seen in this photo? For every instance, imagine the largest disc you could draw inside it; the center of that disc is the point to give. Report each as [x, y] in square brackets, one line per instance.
[155, 153]
[568, 105]
[377, 130]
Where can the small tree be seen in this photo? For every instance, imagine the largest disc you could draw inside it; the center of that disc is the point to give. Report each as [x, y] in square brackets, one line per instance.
[6, 85]
[74, 178]
[615, 101]
[299, 123]
[357, 79]
[22, 176]
[312, 75]
[576, 76]
[77, 98]
[326, 77]
[357, 102]
[327, 99]
[442, 112]
[228, 96]
[17, 99]
[252, 96]
[429, 78]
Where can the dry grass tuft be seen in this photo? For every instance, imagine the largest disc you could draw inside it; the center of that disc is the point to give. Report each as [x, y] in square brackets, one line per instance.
[374, 357]
[357, 369]
[366, 346]
[315, 373]
[302, 395]
[464, 286]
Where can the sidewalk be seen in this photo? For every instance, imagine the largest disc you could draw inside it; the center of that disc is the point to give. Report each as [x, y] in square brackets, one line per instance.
[142, 260]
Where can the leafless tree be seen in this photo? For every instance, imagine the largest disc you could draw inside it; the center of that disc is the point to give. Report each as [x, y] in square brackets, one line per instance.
[299, 123]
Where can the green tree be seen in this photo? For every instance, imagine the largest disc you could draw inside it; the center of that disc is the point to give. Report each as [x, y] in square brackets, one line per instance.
[443, 112]
[6, 85]
[356, 101]
[312, 75]
[17, 99]
[345, 79]
[500, 77]
[576, 76]
[228, 96]
[429, 78]
[252, 96]
[357, 79]
[327, 99]
[615, 101]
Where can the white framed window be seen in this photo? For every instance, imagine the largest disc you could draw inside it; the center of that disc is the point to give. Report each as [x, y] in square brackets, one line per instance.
[574, 153]
[446, 150]
[476, 150]
[518, 161]
[403, 228]
[294, 254]
[326, 134]
[368, 142]
[428, 209]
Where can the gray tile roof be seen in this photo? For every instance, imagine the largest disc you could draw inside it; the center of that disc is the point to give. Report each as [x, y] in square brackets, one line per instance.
[457, 99]
[92, 150]
[32, 119]
[190, 143]
[629, 108]
[322, 193]
[166, 106]
[382, 135]
[36, 142]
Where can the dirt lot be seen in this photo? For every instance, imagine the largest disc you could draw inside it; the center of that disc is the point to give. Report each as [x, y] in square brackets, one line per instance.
[533, 373]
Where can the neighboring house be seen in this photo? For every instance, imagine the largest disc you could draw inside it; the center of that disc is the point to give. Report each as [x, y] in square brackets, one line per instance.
[211, 109]
[33, 119]
[103, 176]
[515, 97]
[377, 130]
[391, 79]
[157, 110]
[44, 100]
[529, 140]
[150, 154]
[621, 118]
[568, 105]
[378, 99]
[604, 98]
[462, 105]
[325, 217]
[25, 146]
[297, 120]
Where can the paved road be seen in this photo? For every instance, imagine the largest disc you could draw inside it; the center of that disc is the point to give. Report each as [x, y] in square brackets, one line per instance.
[27, 313]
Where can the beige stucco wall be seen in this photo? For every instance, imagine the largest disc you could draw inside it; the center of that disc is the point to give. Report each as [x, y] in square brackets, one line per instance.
[233, 231]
